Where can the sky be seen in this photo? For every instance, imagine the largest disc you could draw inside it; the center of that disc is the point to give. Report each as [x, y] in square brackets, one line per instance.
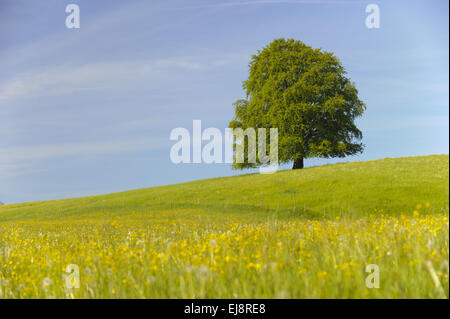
[89, 111]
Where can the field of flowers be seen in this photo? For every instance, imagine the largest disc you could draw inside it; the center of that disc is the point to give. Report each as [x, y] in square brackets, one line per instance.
[181, 258]
[311, 233]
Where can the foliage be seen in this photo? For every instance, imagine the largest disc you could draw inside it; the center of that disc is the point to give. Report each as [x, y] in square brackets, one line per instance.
[305, 94]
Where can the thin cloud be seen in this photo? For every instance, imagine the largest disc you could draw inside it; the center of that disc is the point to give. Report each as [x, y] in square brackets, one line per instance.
[97, 76]
[35, 152]
[262, 2]
[17, 160]
[88, 77]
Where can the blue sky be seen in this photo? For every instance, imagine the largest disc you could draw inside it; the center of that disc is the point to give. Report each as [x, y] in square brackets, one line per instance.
[89, 111]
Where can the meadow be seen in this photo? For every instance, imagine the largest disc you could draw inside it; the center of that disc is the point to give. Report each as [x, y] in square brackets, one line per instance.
[307, 233]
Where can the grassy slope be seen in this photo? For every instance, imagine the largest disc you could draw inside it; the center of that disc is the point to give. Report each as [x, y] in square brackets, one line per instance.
[216, 241]
[390, 186]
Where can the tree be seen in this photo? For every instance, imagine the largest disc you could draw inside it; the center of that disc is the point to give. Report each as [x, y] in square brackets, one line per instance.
[304, 92]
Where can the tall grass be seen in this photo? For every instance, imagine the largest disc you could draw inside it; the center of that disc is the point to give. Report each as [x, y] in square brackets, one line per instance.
[301, 234]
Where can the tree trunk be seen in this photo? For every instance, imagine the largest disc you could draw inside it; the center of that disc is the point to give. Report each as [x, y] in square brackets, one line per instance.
[298, 163]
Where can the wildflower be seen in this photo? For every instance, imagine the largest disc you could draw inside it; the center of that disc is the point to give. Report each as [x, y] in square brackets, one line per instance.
[46, 282]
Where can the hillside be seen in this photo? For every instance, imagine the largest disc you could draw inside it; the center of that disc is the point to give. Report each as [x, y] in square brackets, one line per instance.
[389, 186]
[308, 233]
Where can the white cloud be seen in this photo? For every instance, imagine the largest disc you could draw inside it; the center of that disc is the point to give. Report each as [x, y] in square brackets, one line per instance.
[20, 153]
[94, 76]
[18, 160]
[258, 2]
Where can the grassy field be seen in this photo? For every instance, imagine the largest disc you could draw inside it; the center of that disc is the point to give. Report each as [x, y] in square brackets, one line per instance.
[295, 234]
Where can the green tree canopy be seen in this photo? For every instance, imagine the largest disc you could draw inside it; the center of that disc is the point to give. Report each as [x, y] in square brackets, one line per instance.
[304, 92]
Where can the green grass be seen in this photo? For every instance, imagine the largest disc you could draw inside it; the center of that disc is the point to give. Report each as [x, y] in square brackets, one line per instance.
[294, 234]
[392, 186]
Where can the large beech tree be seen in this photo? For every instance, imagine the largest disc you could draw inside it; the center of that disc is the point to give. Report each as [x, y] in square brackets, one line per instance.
[304, 92]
